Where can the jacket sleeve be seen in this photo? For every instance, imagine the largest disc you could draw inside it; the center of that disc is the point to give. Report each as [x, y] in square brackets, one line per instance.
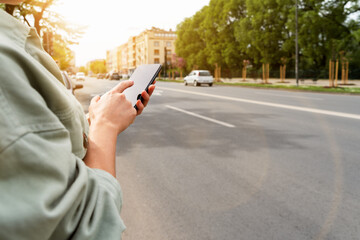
[46, 192]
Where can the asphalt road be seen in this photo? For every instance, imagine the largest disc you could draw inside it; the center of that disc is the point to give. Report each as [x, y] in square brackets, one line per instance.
[239, 163]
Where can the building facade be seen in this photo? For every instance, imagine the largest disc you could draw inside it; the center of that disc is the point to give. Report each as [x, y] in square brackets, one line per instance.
[123, 59]
[151, 46]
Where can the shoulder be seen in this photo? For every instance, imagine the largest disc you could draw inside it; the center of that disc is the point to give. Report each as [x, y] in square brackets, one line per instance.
[23, 108]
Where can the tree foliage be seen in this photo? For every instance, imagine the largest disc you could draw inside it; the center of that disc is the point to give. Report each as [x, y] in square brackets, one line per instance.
[226, 32]
[97, 66]
[38, 14]
[263, 32]
[84, 70]
[192, 46]
[62, 53]
[325, 29]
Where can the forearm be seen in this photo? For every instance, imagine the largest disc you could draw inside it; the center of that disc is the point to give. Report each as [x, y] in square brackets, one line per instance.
[102, 148]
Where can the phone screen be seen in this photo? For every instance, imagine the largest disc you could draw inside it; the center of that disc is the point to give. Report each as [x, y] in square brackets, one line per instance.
[143, 77]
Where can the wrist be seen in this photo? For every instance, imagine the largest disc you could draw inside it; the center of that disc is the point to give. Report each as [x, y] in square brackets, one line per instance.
[102, 128]
[102, 147]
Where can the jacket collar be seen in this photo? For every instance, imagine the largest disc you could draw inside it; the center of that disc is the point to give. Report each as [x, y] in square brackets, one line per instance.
[13, 29]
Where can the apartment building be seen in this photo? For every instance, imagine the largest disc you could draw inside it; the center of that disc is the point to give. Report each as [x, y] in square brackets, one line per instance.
[151, 46]
[131, 55]
[123, 59]
[112, 60]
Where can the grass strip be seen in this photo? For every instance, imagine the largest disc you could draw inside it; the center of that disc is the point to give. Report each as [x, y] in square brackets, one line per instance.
[348, 90]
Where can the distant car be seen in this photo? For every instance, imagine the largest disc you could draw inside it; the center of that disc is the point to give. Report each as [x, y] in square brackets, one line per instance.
[101, 76]
[80, 76]
[69, 84]
[113, 76]
[125, 76]
[198, 77]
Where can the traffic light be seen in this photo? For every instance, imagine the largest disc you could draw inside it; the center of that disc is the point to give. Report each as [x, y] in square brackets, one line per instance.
[48, 42]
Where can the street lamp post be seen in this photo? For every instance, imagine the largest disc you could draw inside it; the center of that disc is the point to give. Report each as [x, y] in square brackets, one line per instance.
[296, 46]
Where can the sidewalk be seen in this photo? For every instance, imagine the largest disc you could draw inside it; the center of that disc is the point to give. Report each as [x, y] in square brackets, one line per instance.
[292, 82]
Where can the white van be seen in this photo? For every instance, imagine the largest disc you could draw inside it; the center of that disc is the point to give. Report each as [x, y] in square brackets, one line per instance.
[198, 77]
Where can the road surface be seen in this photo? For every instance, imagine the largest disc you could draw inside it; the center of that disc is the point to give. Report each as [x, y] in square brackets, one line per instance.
[239, 163]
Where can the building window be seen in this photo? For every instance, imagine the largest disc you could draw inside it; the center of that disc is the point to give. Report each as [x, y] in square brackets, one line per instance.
[168, 44]
[156, 52]
[156, 60]
[156, 43]
[168, 52]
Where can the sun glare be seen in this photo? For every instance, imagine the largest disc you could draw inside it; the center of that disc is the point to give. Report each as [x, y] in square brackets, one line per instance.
[110, 23]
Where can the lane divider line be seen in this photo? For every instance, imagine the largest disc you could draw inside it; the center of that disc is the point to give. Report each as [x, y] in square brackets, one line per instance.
[200, 116]
[288, 96]
[303, 109]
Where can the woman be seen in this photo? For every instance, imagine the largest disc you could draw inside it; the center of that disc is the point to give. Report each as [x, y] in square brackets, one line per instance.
[57, 168]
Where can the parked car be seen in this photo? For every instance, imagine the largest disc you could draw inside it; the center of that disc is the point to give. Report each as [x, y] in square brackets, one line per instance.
[69, 84]
[80, 76]
[198, 77]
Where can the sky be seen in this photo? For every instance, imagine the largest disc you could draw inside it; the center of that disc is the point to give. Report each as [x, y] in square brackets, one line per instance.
[110, 23]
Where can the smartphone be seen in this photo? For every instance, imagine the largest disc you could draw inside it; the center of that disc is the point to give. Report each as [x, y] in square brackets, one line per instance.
[143, 77]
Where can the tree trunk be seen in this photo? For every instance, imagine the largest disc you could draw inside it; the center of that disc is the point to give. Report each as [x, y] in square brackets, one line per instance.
[37, 18]
[10, 8]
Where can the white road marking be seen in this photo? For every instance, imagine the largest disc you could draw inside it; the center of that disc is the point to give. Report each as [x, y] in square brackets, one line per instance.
[269, 94]
[157, 93]
[303, 109]
[202, 117]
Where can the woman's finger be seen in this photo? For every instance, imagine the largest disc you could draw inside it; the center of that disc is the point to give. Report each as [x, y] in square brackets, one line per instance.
[140, 107]
[151, 89]
[122, 86]
[145, 98]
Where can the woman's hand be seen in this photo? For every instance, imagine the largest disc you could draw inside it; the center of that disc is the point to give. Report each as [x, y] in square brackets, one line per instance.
[113, 110]
[109, 115]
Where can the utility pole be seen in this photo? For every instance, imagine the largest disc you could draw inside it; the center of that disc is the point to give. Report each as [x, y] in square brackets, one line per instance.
[296, 46]
[165, 60]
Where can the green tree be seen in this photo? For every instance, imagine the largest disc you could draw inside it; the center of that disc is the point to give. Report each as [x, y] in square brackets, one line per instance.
[37, 14]
[43, 18]
[83, 69]
[98, 66]
[208, 37]
[263, 32]
[62, 53]
[189, 43]
[218, 33]
[325, 30]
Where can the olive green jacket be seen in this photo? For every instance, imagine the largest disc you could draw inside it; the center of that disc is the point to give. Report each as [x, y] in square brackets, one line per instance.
[46, 190]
